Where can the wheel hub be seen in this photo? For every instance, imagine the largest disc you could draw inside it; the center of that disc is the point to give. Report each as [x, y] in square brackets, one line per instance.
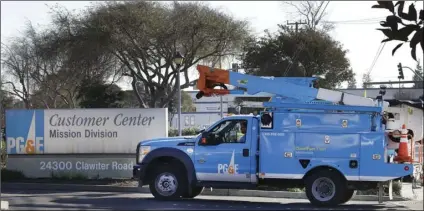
[323, 189]
[166, 184]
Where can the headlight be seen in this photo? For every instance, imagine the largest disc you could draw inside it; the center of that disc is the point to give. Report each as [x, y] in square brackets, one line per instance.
[143, 152]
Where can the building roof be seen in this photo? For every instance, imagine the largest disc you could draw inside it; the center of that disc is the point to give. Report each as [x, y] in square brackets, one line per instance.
[413, 103]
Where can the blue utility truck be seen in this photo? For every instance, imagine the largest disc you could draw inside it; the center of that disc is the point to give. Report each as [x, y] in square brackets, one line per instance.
[329, 142]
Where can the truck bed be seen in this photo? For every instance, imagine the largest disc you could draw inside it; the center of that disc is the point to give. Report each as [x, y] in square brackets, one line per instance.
[298, 142]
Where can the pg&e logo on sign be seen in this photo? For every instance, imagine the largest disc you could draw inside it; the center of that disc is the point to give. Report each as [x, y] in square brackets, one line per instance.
[25, 131]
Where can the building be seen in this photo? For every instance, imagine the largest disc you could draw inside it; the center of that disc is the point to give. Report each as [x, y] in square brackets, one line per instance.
[208, 109]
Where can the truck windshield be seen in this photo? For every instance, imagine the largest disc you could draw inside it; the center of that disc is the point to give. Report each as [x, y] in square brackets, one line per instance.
[220, 127]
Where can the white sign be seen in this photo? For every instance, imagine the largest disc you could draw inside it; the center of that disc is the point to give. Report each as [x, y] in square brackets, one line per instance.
[82, 130]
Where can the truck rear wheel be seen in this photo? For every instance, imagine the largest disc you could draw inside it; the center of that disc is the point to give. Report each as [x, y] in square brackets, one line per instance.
[167, 183]
[194, 192]
[325, 188]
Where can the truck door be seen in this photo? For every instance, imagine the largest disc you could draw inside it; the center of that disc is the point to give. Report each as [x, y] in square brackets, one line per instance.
[223, 152]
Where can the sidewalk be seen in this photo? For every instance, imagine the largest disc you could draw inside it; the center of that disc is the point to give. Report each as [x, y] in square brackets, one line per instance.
[4, 205]
[215, 192]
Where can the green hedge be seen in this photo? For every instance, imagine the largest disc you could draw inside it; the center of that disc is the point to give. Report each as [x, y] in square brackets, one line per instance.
[185, 132]
[11, 175]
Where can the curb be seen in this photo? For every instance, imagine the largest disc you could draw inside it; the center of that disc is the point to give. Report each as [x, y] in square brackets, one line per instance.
[207, 191]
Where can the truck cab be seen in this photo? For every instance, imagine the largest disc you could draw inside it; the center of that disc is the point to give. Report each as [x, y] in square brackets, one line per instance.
[223, 155]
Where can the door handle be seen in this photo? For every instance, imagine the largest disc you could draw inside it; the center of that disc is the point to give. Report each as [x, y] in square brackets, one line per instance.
[201, 160]
[245, 152]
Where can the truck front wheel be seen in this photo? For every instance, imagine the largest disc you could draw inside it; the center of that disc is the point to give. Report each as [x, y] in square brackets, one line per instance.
[325, 188]
[167, 183]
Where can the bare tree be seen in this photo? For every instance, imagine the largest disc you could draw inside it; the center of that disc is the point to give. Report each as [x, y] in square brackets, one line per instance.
[145, 36]
[313, 12]
[366, 78]
[48, 62]
[17, 62]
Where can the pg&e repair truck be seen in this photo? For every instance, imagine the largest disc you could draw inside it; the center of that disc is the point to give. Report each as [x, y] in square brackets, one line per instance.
[329, 142]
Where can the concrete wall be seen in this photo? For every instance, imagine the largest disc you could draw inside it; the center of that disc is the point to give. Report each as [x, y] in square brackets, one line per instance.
[89, 166]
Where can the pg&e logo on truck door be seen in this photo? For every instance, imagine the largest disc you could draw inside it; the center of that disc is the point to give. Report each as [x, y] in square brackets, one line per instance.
[25, 131]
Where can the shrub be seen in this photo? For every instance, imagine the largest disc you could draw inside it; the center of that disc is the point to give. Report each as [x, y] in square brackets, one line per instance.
[10, 175]
[397, 186]
[185, 132]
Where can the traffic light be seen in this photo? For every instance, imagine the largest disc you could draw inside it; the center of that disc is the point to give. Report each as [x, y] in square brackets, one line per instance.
[400, 71]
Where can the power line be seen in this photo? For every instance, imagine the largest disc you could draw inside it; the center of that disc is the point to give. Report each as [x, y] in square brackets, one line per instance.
[296, 53]
[355, 23]
[358, 20]
[322, 13]
[375, 20]
[319, 8]
[363, 23]
[380, 49]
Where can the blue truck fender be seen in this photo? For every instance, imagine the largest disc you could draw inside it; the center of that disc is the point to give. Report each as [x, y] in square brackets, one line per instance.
[324, 166]
[171, 154]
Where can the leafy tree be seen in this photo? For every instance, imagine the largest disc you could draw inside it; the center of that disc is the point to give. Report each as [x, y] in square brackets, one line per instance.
[351, 83]
[144, 37]
[315, 52]
[96, 94]
[411, 22]
[187, 103]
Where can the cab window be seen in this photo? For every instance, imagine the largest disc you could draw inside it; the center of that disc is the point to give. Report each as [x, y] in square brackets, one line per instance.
[230, 131]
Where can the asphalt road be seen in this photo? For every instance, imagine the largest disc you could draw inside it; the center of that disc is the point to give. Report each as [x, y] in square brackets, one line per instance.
[60, 200]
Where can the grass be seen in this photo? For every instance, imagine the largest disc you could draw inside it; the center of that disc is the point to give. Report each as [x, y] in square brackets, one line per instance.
[68, 176]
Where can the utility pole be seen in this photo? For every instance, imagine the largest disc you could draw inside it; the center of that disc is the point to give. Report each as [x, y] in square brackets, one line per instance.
[401, 76]
[220, 96]
[297, 23]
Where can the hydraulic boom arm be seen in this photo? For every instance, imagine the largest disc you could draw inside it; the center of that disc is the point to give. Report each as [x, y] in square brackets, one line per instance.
[293, 89]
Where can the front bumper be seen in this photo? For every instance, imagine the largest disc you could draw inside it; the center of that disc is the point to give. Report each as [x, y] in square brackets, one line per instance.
[139, 172]
[136, 172]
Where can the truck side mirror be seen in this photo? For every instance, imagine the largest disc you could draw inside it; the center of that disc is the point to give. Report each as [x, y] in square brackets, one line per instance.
[203, 141]
[203, 138]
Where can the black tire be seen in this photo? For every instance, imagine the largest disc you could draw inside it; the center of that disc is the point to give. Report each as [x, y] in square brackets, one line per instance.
[338, 189]
[195, 192]
[348, 196]
[173, 172]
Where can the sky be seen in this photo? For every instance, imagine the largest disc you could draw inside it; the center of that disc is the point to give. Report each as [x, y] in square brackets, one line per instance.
[355, 28]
